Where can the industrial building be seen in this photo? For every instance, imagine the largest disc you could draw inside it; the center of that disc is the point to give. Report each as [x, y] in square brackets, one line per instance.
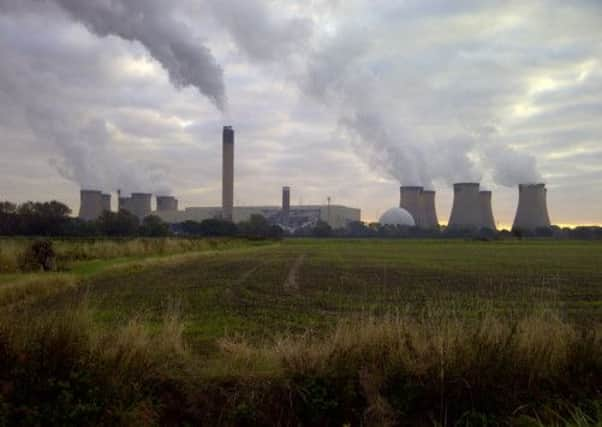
[472, 207]
[287, 216]
[397, 217]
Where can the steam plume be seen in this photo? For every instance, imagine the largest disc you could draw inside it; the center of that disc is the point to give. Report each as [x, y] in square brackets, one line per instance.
[152, 23]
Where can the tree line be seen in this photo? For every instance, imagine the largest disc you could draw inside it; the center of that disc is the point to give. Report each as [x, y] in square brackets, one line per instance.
[53, 219]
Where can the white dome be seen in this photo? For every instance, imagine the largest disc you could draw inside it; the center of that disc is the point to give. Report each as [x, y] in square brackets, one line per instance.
[397, 216]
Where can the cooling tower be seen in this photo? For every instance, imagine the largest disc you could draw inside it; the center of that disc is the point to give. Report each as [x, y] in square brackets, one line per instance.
[409, 200]
[140, 205]
[106, 202]
[427, 209]
[286, 204]
[91, 203]
[167, 203]
[487, 220]
[466, 209]
[532, 211]
[227, 173]
[124, 203]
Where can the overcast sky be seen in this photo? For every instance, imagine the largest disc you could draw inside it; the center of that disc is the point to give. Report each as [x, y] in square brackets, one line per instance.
[345, 99]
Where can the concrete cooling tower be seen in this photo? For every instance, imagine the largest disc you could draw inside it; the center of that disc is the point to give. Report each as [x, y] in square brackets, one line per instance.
[410, 200]
[428, 212]
[487, 220]
[91, 204]
[532, 210]
[140, 205]
[227, 173]
[106, 202]
[466, 209]
[167, 203]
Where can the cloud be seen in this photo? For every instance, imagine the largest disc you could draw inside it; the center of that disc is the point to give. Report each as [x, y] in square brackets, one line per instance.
[339, 98]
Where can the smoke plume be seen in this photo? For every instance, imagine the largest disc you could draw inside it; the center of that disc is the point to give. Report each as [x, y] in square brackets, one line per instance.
[411, 123]
[152, 23]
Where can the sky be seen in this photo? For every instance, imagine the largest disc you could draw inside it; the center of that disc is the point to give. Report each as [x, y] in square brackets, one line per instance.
[345, 99]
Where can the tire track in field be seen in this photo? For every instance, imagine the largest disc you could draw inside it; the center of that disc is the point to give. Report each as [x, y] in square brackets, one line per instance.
[245, 276]
[291, 282]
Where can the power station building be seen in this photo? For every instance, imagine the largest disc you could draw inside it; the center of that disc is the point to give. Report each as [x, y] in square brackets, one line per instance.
[472, 208]
[287, 216]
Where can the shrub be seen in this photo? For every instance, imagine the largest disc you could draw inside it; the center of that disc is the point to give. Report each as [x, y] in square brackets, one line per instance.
[39, 255]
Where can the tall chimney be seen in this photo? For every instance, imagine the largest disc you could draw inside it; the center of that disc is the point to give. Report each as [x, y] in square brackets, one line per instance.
[466, 209]
[227, 173]
[487, 220]
[410, 201]
[286, 204]
[427, 208]
[532, 210]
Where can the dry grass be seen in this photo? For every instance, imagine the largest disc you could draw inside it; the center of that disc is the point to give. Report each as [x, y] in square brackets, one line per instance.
[396, 370]
[72, 250]
[403, 368]
[31, 287]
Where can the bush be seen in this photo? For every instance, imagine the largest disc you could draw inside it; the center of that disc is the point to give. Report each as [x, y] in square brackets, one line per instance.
[39, 255]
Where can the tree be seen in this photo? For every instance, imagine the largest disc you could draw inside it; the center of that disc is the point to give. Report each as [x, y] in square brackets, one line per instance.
[122, 223]
[259, 227]
[153, 226]
[322, 229]
[42, 219]
[217, 227]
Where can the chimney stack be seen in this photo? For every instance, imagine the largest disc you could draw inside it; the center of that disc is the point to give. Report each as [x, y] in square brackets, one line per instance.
[466, 209]
[487, 220]
[286, 204]
[227, 173]
[532, 210]
[410, 200]
[427, 208]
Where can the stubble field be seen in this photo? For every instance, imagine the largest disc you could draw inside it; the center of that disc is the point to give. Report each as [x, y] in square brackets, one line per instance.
[326, 331]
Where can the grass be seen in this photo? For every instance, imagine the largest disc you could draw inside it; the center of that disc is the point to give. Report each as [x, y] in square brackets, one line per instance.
[537, 370]
[70, 251]
[373, 333]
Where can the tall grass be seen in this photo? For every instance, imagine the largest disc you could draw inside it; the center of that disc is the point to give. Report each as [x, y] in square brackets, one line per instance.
[400, 370]
[70, 250]
[32, 286]
[62, 368]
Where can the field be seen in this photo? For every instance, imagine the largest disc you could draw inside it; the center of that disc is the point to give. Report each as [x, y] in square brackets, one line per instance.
[326, 332]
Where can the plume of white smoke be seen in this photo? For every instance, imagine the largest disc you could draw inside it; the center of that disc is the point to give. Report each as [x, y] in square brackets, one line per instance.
[151, 22]
[399, 121]
[259, 31]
